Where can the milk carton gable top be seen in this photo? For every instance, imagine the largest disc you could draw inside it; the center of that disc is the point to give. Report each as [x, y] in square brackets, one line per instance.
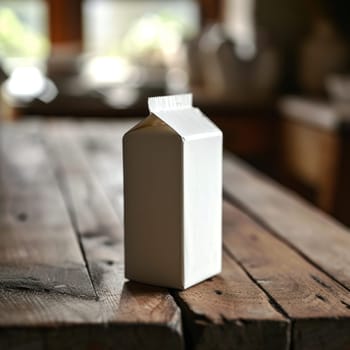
[150, 121]
[178, 113]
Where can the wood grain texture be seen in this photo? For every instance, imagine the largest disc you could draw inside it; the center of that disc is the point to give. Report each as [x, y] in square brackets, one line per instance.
[230, 311]
[299, 288]
[105, 156]
[26, 180]
[149, 313]
[315, 235]
[35, 309]
[38, 245]
[43, 277]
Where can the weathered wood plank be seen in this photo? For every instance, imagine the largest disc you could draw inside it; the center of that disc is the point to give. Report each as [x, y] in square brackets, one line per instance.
[230, 311]
[28, 309]
[20, 339]
[26, 179]
[43, 277]
[315, 235]
[148, 314]
[111, 337]
[313, 301]
[38, 245]
[226, 311]
[105, 156]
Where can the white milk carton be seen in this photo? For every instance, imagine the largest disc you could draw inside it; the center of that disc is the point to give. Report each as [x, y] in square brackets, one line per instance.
[173, 195]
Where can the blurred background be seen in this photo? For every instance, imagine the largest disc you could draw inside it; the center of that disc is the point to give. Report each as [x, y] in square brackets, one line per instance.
[273, 75]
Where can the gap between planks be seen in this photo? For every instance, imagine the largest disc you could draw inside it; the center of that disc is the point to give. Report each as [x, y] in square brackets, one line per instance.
[101, 238]
[237, 166]
[64, 191]
[326, 289]
[36, 230]
[237, 203]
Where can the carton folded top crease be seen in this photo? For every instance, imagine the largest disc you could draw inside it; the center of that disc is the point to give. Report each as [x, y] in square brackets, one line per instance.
[179, 114]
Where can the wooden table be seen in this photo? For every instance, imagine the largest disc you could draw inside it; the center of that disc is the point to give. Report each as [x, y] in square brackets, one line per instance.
[286, 266]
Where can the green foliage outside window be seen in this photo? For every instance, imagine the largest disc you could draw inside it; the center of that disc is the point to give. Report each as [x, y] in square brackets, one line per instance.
[18, 39]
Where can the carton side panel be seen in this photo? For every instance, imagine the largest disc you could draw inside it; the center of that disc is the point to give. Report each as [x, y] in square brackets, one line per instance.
[202, 209]
[153, 206]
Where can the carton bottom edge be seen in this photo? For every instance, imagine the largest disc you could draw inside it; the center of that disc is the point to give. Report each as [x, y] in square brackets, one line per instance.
[180, 286]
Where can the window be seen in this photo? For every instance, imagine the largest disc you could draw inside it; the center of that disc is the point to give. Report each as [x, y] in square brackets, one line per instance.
[23, 32]
[134, 28]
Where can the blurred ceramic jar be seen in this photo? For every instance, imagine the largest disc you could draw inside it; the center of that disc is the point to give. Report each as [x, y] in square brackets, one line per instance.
[236, 72]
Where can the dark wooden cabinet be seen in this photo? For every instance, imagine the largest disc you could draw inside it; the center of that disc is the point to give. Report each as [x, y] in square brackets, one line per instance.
[315, 146]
